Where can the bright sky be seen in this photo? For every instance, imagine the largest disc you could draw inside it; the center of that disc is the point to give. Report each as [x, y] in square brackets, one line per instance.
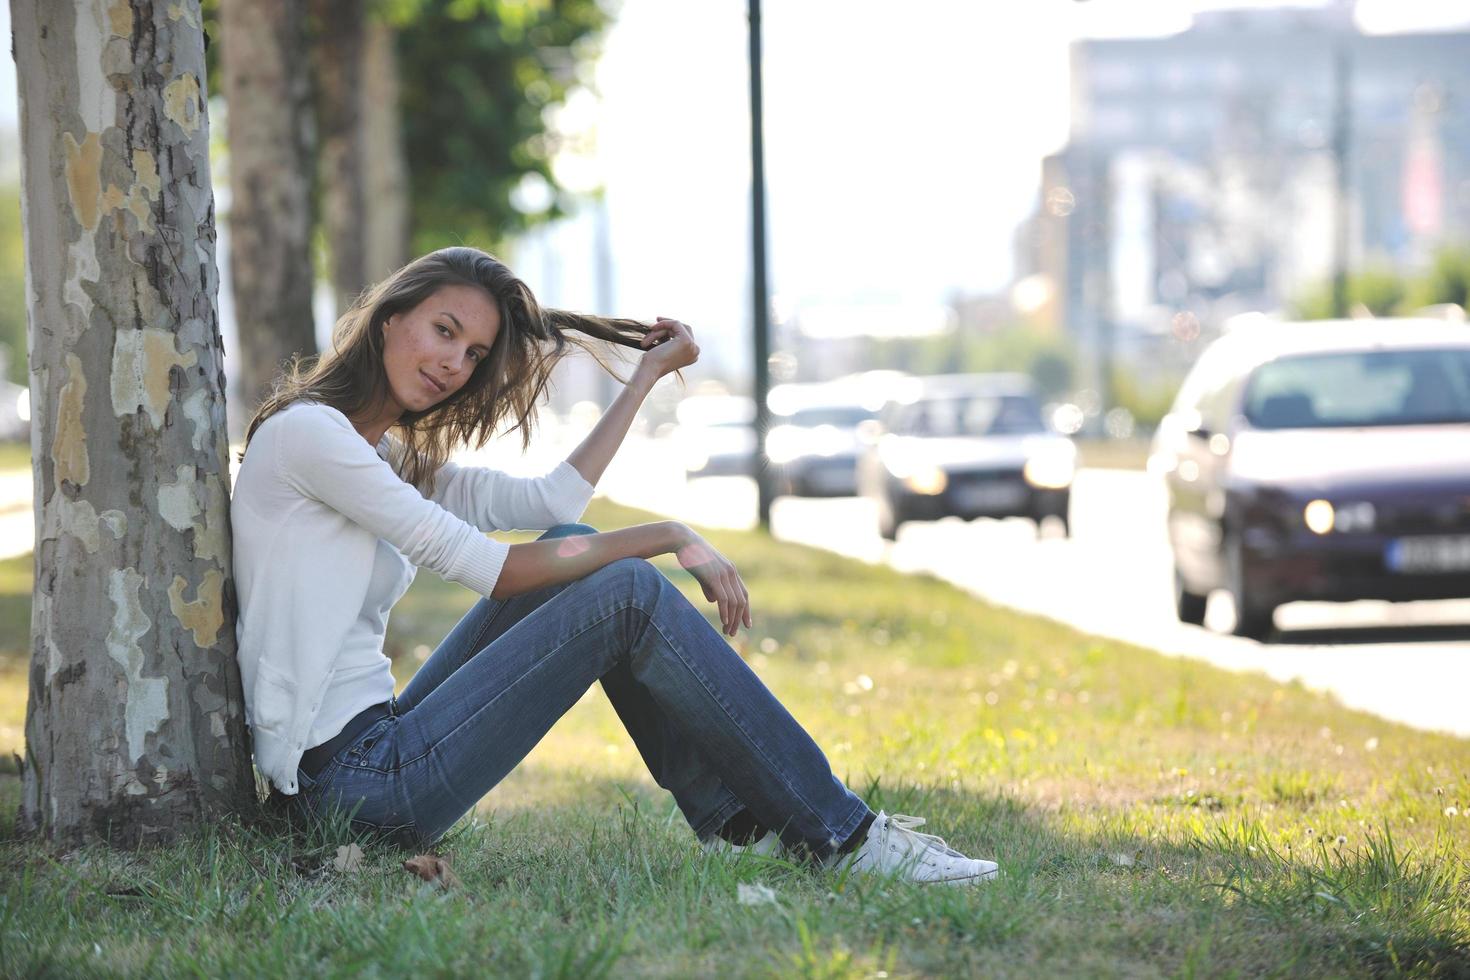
[903, 146]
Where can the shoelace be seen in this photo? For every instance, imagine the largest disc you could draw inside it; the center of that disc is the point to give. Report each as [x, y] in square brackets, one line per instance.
[907, 824]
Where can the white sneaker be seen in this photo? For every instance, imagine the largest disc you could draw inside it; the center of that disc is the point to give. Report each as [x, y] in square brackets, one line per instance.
[767, 846]
[894, 847]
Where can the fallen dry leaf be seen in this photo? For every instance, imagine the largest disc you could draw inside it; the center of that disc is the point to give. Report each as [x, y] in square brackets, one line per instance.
[433, 869]
[349, 858]
[754, 895]
[1124, 860]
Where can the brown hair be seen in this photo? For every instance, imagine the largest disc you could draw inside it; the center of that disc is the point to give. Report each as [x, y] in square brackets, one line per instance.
[504, 387]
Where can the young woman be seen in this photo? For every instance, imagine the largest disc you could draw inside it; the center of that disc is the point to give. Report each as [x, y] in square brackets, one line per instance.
[331, 514]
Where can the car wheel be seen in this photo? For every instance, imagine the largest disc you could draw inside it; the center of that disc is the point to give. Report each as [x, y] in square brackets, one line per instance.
[1252, 617]
[888, 521]
[1041, 521]
[1065, 513]
[1189, 606]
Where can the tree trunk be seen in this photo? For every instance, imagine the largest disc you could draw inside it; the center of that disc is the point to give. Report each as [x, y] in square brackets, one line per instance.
[268, 89]
[337, 54]
[134, 726]
[385, 176]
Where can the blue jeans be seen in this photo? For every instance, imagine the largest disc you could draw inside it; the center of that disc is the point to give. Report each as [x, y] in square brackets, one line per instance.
[707, 728]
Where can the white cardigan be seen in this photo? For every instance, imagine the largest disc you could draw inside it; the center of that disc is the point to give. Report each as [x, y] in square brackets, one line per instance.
[311, 500]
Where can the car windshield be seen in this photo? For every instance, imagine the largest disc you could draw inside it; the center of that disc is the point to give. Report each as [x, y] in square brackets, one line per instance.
[842, 416]
[1361, 388]
[975, 415]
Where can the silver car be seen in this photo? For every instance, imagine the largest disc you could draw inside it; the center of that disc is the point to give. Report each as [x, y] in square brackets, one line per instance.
[967, 445]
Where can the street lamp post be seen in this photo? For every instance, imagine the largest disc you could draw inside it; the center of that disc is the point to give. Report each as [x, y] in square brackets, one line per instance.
[761, 321]
[1342, 115]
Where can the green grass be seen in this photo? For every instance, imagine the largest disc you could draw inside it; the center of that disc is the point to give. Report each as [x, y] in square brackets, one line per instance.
[15, 456]
[1154, 816]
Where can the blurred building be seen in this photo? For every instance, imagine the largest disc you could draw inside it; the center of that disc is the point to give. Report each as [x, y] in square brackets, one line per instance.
[1200, 176]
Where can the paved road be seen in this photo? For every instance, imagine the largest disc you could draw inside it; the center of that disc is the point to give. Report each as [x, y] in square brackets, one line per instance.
[1408, 662]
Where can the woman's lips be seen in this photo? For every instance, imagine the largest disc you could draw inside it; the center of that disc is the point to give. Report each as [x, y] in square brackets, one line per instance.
[438, 388]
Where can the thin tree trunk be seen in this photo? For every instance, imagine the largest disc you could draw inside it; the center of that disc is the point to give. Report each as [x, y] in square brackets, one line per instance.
[337, 55]
[385, 177]
[134, 726]
[268, 89]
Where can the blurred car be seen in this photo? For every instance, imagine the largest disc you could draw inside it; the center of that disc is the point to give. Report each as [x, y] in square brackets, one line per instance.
[1322, 461]
[715, 435]
[813, 442]
[967, 445]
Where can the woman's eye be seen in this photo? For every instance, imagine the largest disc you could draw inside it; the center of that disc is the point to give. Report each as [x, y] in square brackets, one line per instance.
[476, 355]
[442, 329]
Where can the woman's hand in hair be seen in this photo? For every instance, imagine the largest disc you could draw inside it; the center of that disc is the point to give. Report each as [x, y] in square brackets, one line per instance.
[670, 346]
[717, 576]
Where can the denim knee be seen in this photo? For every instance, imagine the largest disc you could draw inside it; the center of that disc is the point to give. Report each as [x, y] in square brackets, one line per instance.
[567, 531]
[639, 576]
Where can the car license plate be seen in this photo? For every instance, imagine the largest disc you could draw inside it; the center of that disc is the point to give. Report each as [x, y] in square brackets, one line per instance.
[830, 479]
[1430, 553]
[988, 496]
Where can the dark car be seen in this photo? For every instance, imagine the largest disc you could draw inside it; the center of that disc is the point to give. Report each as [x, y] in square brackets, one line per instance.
[967, 445]
[1325, 461]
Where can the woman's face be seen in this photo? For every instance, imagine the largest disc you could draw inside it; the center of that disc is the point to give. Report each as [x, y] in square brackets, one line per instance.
[430, 351]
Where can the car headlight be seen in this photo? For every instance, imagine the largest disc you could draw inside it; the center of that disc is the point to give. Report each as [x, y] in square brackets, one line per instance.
[784, 443]
[928, 480]
[1320, 516]
[1051, 472]
[828, 440]
[1323, 518]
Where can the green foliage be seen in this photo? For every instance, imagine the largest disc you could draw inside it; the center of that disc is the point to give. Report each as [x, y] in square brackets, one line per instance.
[1148, 401]
[1384, 291]
[210, 21]
[478, 77]
[1447, 281]
[12, 285]
[1380, 289]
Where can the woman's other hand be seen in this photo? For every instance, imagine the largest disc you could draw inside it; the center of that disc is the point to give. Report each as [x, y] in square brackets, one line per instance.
[717, 576]
[670, 346]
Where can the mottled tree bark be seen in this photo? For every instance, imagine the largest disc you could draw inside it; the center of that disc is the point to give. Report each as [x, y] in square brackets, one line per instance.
[268, 89]
[134, 726]
[385, 174]
[337, 55]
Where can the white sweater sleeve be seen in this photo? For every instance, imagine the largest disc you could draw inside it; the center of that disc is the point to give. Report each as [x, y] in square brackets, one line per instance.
[495, 501]
[324, 458]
